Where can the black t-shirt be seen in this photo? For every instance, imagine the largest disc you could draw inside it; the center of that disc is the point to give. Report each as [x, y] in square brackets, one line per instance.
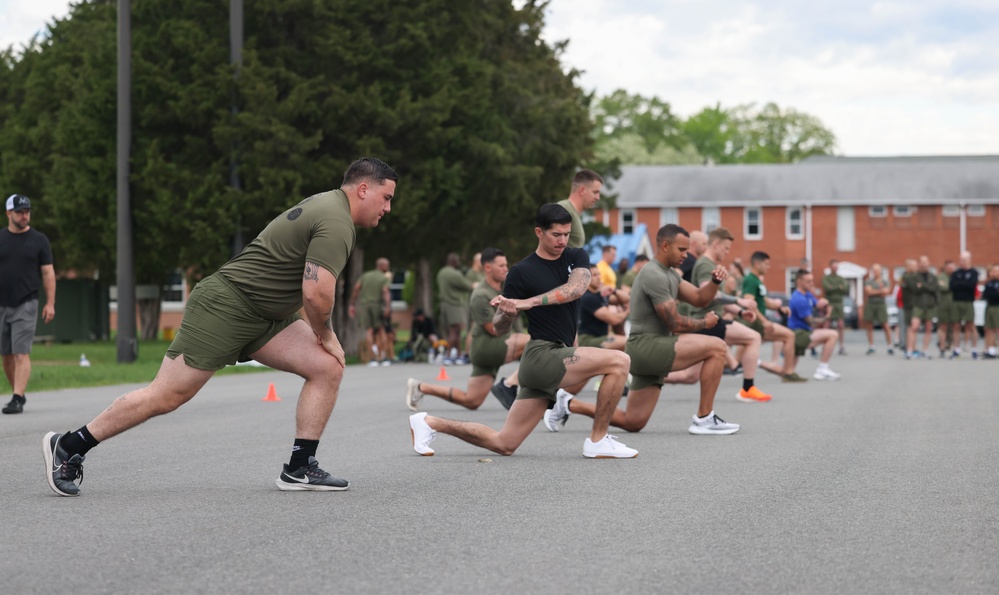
[963, 284]
[588, 323]
[687, 266]
[536, 276]
[21, 257]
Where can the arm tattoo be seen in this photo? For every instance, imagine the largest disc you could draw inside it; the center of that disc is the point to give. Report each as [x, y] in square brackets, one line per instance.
[311, 272]
[676, 322]
[579, 280]
[502, 323]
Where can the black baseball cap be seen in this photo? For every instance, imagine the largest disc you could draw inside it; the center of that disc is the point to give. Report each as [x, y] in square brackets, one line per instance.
[18, 202]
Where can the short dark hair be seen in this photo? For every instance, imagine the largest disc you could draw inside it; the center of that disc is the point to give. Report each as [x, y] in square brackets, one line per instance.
[759, 256]
[489, 255]
[801, 273]
[452, 260]
[371, 169]
[551, 214]
[668, 233]
[608, 248]
[641, 258]
[585, 176]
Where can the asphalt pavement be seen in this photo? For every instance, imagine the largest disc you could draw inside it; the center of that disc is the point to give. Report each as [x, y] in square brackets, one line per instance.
[886, 481]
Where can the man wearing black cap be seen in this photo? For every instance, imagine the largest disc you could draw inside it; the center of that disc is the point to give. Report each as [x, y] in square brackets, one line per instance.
[25, 264]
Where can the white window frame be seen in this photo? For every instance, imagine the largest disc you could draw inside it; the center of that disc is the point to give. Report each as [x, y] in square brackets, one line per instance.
[976, 210]
[791, 235]
[709, 216]
[669, 215]
[902, 210]
[950, 211]
[877, 211]
[620, 220]
[746, 223]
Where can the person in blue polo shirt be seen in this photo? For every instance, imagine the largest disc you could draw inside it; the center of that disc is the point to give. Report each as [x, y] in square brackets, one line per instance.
[806, 313]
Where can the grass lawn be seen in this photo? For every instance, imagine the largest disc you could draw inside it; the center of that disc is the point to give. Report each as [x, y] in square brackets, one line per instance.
[57, 366]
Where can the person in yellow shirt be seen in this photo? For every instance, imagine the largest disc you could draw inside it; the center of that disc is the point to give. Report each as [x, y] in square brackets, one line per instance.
[606, 265]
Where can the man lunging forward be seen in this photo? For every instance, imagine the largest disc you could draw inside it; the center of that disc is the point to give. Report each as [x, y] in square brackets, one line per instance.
[248, 310]
[547, 285]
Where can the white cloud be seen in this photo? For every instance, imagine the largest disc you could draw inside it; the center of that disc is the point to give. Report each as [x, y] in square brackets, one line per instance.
[20, 20]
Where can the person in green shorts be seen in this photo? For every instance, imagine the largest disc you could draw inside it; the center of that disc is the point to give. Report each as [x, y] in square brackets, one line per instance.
[947, 319]
[453, 291]
[249, 309]
[598, 316]
[923, 291]
[964, 285]
[753, 288]
[991, 296]
[585, 193]
[655, 346]
[547, 286]
[835, 289]
[370, 303]
[473, 275]
[489, 349]
[876, 289]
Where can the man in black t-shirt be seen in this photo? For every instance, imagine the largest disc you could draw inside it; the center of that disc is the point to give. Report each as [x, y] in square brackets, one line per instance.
[547, 286]
[25, 265]
[597, 316]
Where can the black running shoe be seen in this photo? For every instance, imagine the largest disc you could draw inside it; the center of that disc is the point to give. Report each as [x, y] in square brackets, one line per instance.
[61, 471]
[505, 394]
[15, 406]
[310, 477]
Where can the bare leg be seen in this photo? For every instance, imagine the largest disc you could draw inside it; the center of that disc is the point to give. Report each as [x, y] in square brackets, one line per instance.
[523, 418]
[641, 404]
[22, 372]
[478, 388]
[8, 369]
[588, 362]
[869, 329]
[927, 333]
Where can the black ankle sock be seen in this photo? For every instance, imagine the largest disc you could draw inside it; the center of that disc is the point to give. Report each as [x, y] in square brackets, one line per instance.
[79, 442]
[20, 398]
[747, 383]
[301, 451]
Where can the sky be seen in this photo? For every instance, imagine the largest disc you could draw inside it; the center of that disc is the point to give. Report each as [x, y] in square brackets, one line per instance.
[914, 77]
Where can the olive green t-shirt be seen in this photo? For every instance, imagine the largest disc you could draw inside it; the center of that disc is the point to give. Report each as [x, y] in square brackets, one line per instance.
[701, 273]
[835, 288]
[480, 309]
[655, 284]
[577, 237]
[946, 297]
[474, 276]
[269, 270]
[452, 287]
[753, 285]
[372, 283]
[627, 279]
[877, 285]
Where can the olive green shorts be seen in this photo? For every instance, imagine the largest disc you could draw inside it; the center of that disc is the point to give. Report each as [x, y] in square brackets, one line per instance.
[220, 328]
[756, 325]
[802, 339]
[452, 315]
[592, 340]
[651, 358]
[923, 314]
[992, 317]
[542, 368]
[488, 354]
[370, 315]
[965, 312]
[876, 313]
[946, 313]
[836, 311]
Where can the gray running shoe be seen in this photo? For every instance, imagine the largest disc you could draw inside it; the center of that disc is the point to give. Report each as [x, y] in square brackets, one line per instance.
[309, 478]
[556, 417]
[413, 394]
[61, 471]
[506, 395]
[712, 425]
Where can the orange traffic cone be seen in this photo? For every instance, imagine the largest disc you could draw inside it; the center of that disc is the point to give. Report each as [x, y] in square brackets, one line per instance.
[271, 394]
[443, 374]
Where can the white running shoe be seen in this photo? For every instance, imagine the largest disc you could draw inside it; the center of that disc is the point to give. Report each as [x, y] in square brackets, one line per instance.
[556, 417]
[712, 425]
[826, 374]
[386, 362]
[422, 434]
[413, 394]
[607, 448]
[373, 364]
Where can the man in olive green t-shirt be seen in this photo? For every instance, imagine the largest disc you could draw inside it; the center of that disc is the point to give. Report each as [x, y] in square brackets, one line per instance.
[947, 318]
[754, 289]
[248, 310]
[585, 193]
[453, 290]
[921, 301]
[371, 303]
[835, 289]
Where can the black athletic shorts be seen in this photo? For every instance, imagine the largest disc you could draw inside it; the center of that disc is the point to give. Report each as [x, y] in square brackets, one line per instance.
[717, 330]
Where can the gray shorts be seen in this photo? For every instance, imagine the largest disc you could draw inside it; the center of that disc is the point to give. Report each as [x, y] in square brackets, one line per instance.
[219, 327]
[17, 327]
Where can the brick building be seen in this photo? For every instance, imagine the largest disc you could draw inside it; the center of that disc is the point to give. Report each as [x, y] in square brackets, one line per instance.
[856, 210]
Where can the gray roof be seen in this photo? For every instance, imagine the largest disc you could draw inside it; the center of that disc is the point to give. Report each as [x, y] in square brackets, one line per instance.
[831, 181]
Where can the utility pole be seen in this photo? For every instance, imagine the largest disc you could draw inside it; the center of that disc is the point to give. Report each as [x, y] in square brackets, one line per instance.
[236, 61]
[128, 346]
